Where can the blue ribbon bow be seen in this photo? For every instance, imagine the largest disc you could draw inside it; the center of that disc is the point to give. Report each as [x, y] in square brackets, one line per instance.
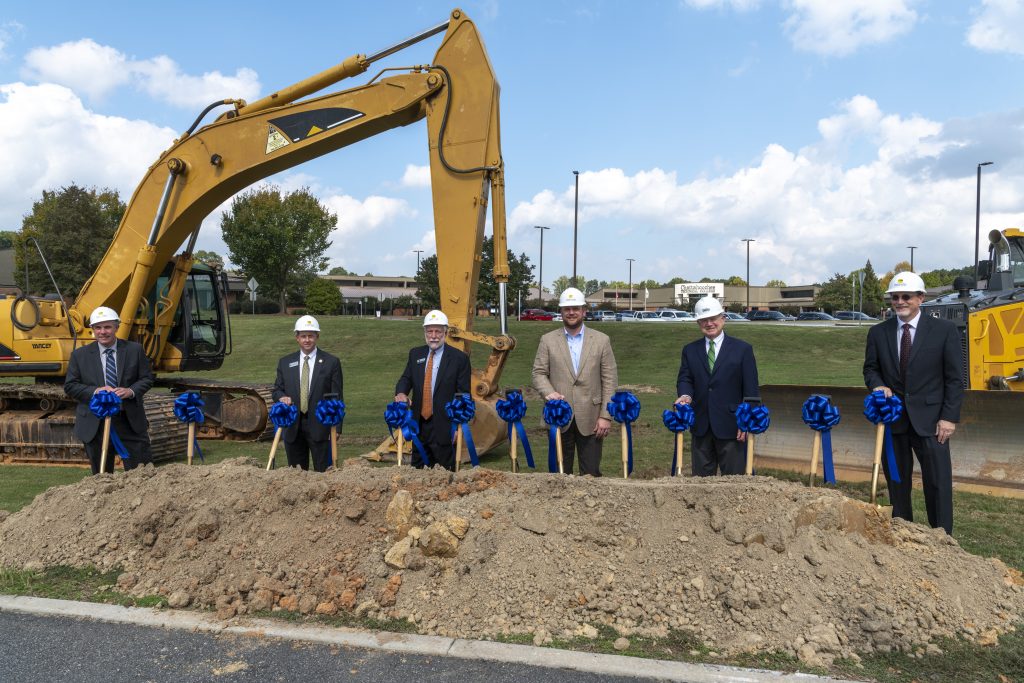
[625, 409]
[188, 408]
[330, 412]
[460, 411]
[557, 413]
[881, 410]
[104, 404]
[398, 416]
[821, 416]
[752, 419]
[512, 409]
[678, 419]
[283, 415]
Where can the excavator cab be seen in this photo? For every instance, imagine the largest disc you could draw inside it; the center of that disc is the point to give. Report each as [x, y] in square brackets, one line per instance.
[201, 334]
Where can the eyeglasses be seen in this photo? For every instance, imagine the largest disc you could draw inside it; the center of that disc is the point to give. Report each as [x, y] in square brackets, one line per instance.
[903, 297]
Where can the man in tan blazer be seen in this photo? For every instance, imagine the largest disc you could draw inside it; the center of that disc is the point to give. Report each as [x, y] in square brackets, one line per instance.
[576, 364]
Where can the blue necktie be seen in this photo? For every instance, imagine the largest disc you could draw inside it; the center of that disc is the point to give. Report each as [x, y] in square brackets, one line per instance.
[111, 368]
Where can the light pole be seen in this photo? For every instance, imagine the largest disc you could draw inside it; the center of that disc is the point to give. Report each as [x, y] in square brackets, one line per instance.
[748, 241]
[575, 225]
[418, 252]
[977, 220]
[631, 282]
[540, 272]
[911, 258]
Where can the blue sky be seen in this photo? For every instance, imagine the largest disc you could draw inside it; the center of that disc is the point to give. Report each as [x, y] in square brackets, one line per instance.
[830, 131]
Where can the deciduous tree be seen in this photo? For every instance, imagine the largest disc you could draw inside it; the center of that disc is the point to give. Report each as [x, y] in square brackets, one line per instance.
[74, 227]
[279, 240]
[322, 297]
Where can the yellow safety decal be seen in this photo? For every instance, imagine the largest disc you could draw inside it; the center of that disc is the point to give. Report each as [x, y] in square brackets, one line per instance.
[314, 130]
[275, 140]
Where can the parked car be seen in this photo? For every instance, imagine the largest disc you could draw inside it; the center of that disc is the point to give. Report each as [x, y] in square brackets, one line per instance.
[674, 315]
[814, 315]
[606, 316]
[536, 314]
[730, 316]
[557, 317]
[624, 315]
[647, 317]
[854, 315]
[772, 316]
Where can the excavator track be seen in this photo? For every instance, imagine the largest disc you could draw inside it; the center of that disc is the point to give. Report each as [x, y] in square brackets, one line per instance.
[37, 423]
[234, 411]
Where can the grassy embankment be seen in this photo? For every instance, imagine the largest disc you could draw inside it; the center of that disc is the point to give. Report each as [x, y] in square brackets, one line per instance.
[373, 353]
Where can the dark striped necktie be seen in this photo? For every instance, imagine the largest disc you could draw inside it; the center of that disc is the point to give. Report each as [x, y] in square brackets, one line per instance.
[110, 371]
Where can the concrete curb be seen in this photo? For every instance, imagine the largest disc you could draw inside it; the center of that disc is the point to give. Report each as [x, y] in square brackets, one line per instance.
[405, 643]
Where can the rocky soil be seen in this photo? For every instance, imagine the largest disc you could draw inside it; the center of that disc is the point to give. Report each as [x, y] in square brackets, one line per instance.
[743, 564]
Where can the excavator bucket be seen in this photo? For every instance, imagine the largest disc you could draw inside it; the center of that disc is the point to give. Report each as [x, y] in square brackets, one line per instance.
[987, 448]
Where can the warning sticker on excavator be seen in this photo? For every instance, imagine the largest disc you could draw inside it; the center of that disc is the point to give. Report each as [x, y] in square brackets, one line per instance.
[275, 140]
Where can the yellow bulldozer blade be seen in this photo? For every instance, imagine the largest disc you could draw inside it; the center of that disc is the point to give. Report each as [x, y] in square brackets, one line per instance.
[987, 448]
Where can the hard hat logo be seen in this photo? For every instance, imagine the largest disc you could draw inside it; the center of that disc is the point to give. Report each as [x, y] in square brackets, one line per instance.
[906, 282]
[103, 315]
[571, 296]
[435, 317]
[307, 323]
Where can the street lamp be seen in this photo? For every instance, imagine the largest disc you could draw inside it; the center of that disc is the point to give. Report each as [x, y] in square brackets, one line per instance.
[748, 241]
[575, 225]
[977, 220]
[631, 282]
[911, 258]
[540, 273]
[418, 252]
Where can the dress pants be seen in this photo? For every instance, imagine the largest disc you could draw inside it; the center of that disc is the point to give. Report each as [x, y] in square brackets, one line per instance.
[299, 450]
[137, 445]
[936, 477]
[437, 442]
[709, 454]
[588, 447]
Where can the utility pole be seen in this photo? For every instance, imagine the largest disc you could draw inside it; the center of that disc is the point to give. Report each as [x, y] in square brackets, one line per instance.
[631, 282]
[748, 241]
[977, 220]
[540, 271]
[911, 258]
[575, 225]
[418, 307]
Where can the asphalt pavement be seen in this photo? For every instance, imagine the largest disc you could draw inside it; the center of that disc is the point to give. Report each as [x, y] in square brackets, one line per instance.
[43, 640]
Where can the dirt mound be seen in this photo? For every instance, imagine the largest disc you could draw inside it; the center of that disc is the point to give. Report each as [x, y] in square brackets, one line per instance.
[743, 564]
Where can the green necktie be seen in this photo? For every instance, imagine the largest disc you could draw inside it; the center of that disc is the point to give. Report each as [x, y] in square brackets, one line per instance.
[304, 388]
[711, 355]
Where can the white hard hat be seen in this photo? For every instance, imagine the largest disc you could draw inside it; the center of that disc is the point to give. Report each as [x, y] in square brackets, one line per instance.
[103, 315]
[307, 323]
[707, 307]
[571, 296]
[435, 317]
[906, 282]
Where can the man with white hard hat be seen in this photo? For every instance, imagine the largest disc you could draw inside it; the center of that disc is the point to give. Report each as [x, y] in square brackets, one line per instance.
[303, 379]
[119, 366]
[716, 373]
[918, 358]
[433, 374]
[576, 364]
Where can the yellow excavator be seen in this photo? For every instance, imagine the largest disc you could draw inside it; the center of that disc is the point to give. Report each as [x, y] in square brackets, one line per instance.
[176, 308]
[988, 447]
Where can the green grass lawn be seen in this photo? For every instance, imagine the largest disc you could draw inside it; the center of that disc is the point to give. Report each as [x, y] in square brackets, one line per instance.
[373, 353]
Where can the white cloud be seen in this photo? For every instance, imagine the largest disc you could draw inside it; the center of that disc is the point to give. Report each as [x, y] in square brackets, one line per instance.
[7, 29]
[51, 140]
[738, 5]
[831, 27]
[812, 211]
[95, 70]
[416, 176]
[999, 27]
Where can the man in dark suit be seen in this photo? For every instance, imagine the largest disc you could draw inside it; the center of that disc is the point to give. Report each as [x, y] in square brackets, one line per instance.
[918, 358]
[715, 374]
[434, 374]
[120, 366]
[303, 378]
